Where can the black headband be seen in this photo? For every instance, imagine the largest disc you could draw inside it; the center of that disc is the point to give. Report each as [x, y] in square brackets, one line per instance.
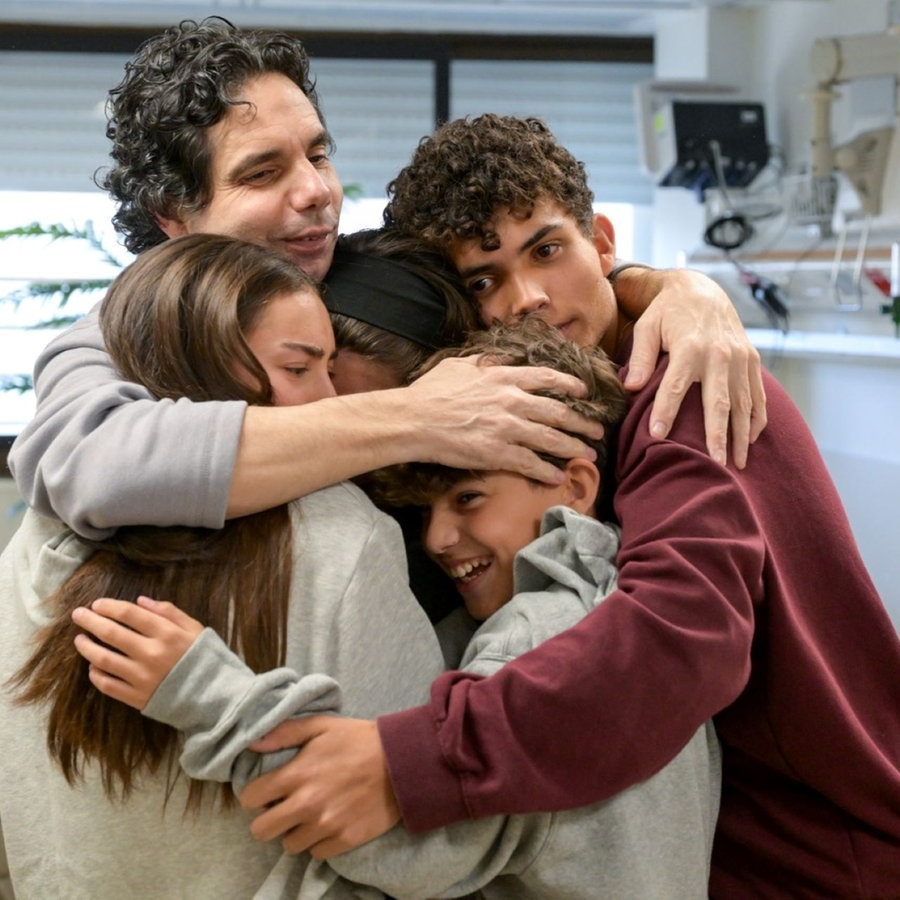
[385, 293]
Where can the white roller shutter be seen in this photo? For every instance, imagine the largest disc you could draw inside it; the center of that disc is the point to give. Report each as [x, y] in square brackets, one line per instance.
[589, 106]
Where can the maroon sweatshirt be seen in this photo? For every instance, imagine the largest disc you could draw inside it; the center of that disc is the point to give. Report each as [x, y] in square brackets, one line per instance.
[742, 596]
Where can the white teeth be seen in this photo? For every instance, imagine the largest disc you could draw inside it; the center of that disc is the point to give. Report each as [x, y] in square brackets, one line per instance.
[466, 568]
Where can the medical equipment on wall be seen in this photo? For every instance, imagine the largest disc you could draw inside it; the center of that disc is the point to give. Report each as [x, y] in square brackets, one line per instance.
[690, 137]
[863, 159]
[693, 135]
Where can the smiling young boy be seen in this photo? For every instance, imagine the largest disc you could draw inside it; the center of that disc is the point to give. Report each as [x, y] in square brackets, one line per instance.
[476, 522]
[529, 560]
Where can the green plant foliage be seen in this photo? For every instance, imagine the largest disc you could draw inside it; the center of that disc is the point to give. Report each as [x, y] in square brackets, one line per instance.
[54, 294]
[59, 292]
[20, 384]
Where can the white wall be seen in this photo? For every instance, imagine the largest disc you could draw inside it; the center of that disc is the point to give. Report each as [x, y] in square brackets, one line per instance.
[860, 443]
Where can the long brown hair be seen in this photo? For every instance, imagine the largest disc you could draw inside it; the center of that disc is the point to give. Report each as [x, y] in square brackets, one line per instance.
[173, 321]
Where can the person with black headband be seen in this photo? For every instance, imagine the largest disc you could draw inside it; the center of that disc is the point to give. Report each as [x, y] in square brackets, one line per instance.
[392, 303]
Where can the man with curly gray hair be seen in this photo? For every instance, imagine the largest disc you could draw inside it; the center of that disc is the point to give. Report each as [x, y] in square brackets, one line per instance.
[174, 123]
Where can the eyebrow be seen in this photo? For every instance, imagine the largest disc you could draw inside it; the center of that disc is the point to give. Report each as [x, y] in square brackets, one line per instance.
[536, 238]
[312, 349]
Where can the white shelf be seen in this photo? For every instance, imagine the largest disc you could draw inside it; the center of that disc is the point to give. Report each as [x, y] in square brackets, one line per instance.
[817, 345]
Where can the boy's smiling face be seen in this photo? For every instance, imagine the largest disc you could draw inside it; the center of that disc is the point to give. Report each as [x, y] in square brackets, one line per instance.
[474, 530]
[547, 266]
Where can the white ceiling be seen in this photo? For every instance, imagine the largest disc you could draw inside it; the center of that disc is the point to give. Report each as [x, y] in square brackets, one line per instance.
[576, 17]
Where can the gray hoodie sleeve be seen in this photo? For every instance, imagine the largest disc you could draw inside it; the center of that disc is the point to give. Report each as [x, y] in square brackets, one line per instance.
[352, 616]
[100, 450]
[221, 706]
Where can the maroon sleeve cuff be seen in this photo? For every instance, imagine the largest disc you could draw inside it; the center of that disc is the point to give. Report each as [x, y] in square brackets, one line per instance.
[428, 791]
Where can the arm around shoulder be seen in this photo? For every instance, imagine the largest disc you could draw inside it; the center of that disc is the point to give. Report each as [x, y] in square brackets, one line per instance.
[102, 452]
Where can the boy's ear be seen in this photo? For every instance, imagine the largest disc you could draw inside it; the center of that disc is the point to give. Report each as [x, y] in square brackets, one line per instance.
[582, 485]
[605, 242]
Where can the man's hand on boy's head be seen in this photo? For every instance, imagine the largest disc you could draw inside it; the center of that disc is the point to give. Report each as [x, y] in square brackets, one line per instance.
[334, 795]
[693, 319]
[484, 417]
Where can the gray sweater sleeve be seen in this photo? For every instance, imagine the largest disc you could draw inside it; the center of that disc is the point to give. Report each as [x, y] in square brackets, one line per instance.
[101, 451]
[464, 857]
[221, 706]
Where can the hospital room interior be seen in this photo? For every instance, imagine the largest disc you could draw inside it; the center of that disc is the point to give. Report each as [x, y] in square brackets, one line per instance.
[752, 140]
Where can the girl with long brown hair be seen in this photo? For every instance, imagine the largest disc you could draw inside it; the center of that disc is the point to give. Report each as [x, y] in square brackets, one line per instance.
[99, 809]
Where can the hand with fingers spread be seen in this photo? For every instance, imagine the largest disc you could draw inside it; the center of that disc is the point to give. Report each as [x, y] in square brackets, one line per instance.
[473, 415]
[334, 795]
[144, 641]
[693, 320]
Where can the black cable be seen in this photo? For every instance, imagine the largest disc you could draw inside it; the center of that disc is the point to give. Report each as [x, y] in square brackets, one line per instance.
[728, 232]
[768, 295]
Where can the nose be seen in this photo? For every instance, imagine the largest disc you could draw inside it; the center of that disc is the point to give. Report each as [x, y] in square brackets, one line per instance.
[440, 531]
[310, 187]
[327, 386]
[527, 296]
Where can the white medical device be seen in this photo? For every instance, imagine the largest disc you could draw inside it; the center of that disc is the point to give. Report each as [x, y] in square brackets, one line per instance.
[863, 160]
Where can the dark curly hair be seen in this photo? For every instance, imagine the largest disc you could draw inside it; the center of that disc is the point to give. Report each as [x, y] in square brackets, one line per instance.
[527, 342]
[461, 176]
[179, 84]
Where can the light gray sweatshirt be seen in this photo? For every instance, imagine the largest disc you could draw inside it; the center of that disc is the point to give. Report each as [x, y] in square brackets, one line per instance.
[651, 841]
[352, 620]
[98, 447]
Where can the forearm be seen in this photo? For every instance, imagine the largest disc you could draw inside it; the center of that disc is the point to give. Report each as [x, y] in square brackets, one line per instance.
[288, 452]
[221, 706]
[102, 452]
[450, 862]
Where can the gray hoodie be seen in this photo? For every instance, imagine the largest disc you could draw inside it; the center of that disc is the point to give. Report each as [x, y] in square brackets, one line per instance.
[352, 619]
[651, 841]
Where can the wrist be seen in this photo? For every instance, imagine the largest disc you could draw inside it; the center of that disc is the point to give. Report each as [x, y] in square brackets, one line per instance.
[621, 267]
[635, 286]
[399, 434]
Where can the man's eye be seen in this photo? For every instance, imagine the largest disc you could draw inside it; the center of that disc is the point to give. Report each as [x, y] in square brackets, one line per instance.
[467, 498]
[545, 251]
[260, 177]
[296, 370]
[319, 158]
